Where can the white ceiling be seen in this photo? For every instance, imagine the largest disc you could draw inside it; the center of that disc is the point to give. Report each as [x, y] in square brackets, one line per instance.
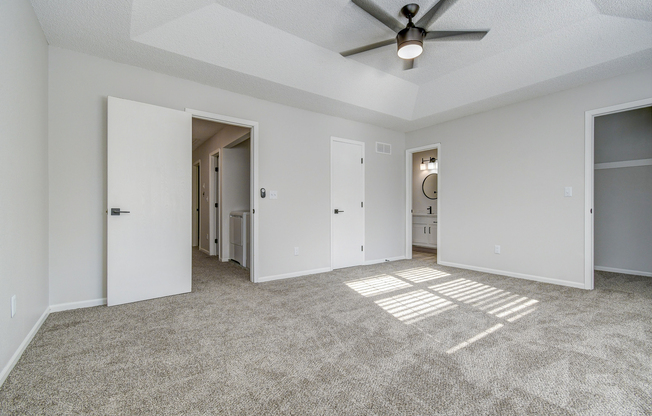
[287, 51]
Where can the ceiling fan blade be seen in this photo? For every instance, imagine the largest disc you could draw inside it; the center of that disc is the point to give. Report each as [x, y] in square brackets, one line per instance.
[434, 13]
[368, 47]
[456, 35]
[408, 64]
[379, 14]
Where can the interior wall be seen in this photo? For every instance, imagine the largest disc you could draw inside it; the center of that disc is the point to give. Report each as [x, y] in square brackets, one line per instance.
[235, 187]
[221, 139]
[504, 176]
[294, 160]
[623, 196]
[23, 175]
[420, 203]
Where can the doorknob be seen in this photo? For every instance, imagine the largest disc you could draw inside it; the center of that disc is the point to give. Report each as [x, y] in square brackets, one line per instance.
[337, 211]
[116, 211]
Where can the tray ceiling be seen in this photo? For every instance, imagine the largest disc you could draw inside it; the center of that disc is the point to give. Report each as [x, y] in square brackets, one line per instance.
[287, 51]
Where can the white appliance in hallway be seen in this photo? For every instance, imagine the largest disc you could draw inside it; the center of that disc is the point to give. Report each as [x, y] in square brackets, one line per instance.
[239, 226]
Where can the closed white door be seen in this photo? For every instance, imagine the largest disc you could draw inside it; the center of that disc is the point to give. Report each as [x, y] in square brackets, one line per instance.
[347, 203]
[148, 179]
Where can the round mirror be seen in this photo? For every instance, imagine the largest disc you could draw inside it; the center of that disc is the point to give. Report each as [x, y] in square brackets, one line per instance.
[429, 186]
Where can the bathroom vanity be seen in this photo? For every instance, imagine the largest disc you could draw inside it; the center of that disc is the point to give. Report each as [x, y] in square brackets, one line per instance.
[424, 230]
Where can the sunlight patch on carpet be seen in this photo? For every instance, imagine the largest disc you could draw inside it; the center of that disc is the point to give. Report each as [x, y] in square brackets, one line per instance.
[414, 306]
[372, 286]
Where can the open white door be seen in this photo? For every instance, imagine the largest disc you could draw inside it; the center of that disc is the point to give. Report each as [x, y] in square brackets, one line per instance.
[149, 247]
[347, 200]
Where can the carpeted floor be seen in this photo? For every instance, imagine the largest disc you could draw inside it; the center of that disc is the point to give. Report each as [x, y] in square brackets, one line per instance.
[399, 338]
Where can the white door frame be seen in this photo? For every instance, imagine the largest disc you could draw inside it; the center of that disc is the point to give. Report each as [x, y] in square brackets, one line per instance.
[364, 207]
[589, 167]
[215, 218]
[253, 159]
[199, 198]
[408, 197]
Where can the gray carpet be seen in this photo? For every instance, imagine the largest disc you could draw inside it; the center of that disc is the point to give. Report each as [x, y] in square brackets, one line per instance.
[400, 338]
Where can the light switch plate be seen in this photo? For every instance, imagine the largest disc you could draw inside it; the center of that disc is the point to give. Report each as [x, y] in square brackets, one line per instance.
[497, 249]
[273, 195]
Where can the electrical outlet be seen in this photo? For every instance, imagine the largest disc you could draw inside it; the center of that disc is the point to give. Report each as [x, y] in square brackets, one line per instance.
[13, 306]
[568, 191]
[296, 251]
[273, 195]
[497, 249]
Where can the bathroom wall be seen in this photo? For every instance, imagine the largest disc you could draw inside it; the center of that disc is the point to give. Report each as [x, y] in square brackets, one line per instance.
[420, 203]
[623, 194]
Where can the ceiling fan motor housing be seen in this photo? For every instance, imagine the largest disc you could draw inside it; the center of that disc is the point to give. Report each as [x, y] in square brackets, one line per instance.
[410, 36]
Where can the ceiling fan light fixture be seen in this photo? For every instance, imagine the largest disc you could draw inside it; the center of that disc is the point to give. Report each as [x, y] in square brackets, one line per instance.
[410, 42]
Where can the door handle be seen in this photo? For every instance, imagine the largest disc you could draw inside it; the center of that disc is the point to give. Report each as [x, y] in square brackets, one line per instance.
[116, 211]
[337, 211]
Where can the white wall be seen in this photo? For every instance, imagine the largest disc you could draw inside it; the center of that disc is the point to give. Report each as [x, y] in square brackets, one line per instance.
[420, 203]
[623, 196]
[23, 175]
[235, 187]
[221, 139]
[294, 159]
[502, 178]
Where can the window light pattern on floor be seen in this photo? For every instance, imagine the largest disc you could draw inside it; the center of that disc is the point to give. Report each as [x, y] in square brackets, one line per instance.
[494, 301]
[372, 286]
[414, 306]
[421, 274]
[475, 338]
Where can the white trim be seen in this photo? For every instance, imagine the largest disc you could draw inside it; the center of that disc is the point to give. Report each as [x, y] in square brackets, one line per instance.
[364, 205]
[21, 348]
[203, 250]
[77, 305]
[623, 271]
[578, 285]
[623, 164]
[378, 261]
[254, 201]
[408, 196]
[589, 169]
[295, 274]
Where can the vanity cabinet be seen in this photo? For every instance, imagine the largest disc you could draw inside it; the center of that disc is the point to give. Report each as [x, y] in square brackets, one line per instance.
[424, 231]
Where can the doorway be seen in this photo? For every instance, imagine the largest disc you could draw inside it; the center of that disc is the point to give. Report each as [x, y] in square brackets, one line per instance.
[230, 160]
[347, 203]
[601, 167]
[423, 213]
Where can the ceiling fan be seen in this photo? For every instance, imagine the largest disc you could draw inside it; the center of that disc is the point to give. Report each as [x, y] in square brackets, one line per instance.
[409, 39]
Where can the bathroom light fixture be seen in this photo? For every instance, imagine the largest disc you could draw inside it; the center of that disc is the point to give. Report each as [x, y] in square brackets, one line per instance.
[429, 164]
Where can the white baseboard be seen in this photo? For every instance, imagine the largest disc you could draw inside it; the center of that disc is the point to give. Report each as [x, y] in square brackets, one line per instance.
[203, 250]
[378, 261]
[578, 285]
[294, 274]
[77, 305]
[21, 348]
[622, 271]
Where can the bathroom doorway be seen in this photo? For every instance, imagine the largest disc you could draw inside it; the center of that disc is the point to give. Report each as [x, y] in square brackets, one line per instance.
[423, 170]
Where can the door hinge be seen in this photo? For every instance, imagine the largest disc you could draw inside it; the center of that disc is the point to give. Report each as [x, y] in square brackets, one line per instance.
[216, 241]
[361, 248]
[253, 211]
[361, 204]
[217, 169]
[361, 160]
[216, 205]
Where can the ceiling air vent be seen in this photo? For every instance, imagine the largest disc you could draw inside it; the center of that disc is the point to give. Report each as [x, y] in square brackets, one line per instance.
[383, 148]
